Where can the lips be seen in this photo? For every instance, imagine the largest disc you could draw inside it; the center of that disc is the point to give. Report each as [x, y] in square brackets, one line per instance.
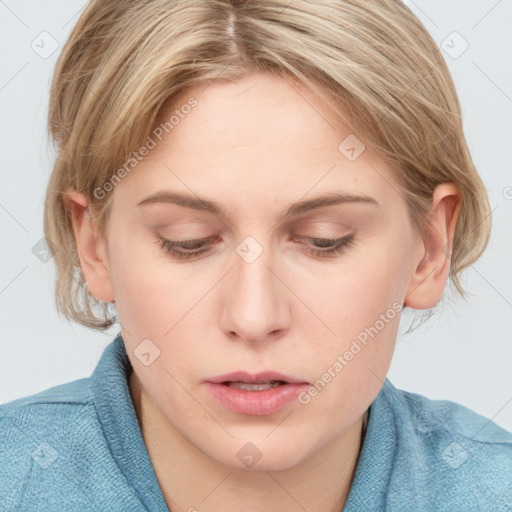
[257, 394]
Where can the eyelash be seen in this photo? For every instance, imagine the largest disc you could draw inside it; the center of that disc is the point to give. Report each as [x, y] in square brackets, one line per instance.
[340, 245]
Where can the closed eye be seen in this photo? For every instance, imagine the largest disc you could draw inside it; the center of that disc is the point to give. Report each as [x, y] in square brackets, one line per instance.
[187, 249]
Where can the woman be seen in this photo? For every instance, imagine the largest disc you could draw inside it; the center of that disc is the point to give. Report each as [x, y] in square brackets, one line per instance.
[255, 191]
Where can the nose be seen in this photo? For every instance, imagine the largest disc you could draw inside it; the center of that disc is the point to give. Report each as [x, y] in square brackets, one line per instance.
[256, 301]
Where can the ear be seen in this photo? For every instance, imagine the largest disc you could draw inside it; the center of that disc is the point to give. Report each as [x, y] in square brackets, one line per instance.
[90, 246]
[428, 281]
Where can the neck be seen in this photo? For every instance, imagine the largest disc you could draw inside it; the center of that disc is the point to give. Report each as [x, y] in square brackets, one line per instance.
[191, 480]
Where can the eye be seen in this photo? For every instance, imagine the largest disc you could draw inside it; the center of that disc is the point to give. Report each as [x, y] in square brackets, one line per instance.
[173, 247]
[334, 246]
[186, 249]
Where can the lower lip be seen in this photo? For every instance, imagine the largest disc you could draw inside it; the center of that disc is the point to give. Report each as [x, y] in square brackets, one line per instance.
[255, 403]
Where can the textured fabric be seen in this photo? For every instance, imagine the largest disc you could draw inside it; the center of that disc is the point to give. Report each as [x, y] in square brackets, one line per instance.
[78, 446]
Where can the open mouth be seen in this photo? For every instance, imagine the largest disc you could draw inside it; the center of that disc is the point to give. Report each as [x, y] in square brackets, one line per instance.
[262, 396]
[256, 394]
[254, 386]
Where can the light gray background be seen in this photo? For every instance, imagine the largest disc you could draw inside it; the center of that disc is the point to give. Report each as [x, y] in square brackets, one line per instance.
[464, 353]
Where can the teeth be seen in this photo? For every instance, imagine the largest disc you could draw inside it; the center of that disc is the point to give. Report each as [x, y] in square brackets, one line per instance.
[255, 386]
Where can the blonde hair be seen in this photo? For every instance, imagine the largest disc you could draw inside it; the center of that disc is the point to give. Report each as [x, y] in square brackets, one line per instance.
[371, 61]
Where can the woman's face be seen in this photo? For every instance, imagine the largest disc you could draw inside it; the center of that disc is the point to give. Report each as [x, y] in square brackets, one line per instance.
[260, 292]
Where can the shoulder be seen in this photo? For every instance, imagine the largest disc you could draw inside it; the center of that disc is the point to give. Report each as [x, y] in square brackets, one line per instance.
[77, 446]
[40, 433]
[43, 412]
[78, 391]
[464, 458]
[427, 414]
[46, 415]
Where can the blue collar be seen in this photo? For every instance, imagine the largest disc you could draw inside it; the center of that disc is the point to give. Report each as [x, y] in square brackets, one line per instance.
[117, 415]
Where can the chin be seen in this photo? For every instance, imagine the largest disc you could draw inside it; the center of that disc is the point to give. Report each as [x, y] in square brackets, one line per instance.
[260, 455]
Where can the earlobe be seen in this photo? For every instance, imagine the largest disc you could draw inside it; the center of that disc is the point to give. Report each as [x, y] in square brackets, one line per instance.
[432, 269]
[90, 247]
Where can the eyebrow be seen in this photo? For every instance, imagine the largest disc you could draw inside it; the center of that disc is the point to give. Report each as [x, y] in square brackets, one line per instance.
[295, 209]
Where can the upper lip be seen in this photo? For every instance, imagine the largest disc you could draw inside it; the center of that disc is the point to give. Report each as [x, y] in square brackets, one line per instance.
[266, 376]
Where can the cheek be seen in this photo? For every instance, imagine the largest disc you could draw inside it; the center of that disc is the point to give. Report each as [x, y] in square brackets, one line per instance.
[354, 295]
[362, 306]
[145, 290]
[160, 301]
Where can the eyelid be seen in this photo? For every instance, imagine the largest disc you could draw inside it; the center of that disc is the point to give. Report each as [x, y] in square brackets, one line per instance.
[188, 241]
[338, 246]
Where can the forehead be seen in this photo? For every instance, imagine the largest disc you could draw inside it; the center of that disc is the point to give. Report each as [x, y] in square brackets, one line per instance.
[262, 136]
[258, 110]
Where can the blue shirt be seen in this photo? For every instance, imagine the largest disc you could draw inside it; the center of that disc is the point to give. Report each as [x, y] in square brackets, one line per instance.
[78, 446]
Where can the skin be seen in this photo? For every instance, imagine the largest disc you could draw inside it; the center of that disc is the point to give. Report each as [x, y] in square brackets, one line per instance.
[256, 146]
